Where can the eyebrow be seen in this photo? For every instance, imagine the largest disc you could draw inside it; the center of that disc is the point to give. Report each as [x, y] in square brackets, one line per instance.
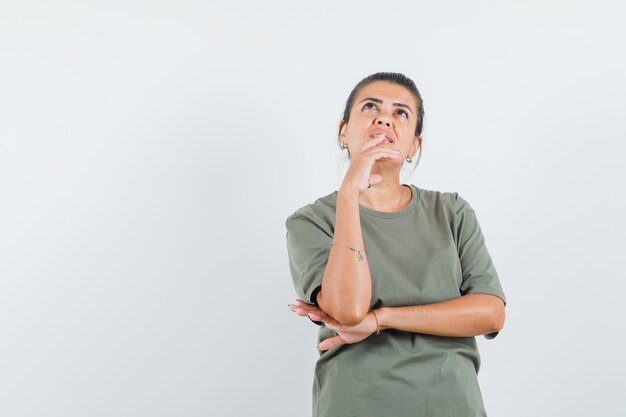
[377, 100]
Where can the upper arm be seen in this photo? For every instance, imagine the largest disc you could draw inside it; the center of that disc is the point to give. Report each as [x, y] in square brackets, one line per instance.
[479, 275]
[308, 248]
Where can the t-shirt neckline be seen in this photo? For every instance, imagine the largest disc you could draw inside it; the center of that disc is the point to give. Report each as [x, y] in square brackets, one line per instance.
[395, 214]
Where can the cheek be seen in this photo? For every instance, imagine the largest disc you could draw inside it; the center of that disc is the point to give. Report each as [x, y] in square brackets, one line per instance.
[359, 126]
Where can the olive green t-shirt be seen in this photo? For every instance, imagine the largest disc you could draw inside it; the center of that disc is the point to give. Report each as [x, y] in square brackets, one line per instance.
[432, 250]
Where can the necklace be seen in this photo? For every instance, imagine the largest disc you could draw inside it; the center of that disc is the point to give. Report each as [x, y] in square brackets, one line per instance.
[401, 195]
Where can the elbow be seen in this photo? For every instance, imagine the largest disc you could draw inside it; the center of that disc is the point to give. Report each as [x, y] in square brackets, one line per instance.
[498, 317]
[351, 317]
[343, 313]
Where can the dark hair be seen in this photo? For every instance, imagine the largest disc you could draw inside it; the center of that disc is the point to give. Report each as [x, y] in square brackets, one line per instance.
[395, 78]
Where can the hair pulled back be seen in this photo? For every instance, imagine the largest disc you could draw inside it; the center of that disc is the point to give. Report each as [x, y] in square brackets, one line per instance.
[395, 78]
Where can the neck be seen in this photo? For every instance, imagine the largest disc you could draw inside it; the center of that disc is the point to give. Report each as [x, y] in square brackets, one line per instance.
[386, 196]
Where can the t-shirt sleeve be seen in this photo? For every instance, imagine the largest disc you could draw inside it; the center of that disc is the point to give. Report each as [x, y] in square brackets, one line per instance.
[479, 272]
[308, 248]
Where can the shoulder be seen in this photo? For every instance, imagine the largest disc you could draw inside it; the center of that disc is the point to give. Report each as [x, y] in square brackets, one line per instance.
[449, 205]
[320, 212]
[446, 200]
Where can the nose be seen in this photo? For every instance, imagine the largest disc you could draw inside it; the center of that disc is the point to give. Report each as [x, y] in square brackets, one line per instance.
[383, 120]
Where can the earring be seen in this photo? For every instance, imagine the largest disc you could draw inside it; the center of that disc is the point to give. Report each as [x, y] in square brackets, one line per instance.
[409, 160]
[343, 146]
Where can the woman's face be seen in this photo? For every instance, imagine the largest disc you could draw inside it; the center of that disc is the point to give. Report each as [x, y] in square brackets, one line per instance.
[383, 108]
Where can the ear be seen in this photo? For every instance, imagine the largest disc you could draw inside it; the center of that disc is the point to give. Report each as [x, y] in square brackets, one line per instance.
[342, 131]
[417, 143]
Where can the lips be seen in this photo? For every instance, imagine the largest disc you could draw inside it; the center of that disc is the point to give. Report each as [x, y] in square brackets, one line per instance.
[382, 133]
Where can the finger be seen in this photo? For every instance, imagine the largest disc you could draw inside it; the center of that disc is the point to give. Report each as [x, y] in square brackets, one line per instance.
[302, 311]
[328, 322]
[375, 179]
[375, 142]
[371, 142]
[302, 304]
[385, 153]
[330, 343]
[318, 317]
[321, 316]
[382, 148]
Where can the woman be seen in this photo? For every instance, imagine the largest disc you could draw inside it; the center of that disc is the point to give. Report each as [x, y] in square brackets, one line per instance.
[398, 277]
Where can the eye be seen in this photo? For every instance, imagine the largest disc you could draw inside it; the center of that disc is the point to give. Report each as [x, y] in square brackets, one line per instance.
[368, 104]
[406, 115]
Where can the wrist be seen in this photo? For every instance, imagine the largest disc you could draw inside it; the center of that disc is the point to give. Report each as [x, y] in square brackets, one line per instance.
[348, 193]
[375, 317]
[381, 317]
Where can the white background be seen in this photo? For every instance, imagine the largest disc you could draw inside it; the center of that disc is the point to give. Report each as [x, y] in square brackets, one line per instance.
[150, 153]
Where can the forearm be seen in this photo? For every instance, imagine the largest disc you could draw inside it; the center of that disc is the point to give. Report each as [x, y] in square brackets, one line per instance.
[469, 315]
[346, 285]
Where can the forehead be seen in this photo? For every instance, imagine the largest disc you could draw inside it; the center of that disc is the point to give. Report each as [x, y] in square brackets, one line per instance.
[388, 93]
